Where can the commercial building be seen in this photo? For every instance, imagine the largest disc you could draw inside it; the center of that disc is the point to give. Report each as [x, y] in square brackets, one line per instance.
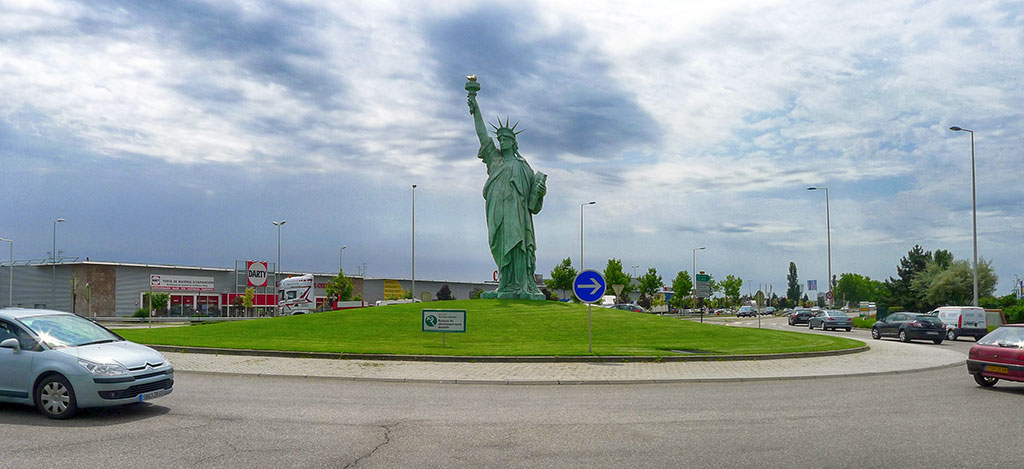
[103, 289]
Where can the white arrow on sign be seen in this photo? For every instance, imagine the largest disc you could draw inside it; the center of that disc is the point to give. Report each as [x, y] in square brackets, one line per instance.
[595, 287]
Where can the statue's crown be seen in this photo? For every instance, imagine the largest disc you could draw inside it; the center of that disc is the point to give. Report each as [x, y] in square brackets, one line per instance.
[498, 129]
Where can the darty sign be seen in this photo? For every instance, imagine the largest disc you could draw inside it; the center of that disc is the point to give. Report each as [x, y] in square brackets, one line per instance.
[256, 273]
[180, 283]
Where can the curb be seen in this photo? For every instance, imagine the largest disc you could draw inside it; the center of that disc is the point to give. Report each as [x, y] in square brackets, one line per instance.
[502, 359]
[577, 382]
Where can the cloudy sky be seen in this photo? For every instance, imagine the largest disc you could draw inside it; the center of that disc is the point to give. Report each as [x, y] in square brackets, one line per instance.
[176, 132]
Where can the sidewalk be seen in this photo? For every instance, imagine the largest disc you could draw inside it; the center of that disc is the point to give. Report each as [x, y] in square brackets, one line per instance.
[884, 357]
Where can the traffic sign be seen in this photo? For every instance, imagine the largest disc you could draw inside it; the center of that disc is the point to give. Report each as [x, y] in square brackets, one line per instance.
[829, 295]
[589, 286]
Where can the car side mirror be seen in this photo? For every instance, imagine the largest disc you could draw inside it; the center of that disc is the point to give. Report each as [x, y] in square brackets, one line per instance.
[11, 344]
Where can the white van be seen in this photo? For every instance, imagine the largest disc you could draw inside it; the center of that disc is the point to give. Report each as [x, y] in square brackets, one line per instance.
[963, 320]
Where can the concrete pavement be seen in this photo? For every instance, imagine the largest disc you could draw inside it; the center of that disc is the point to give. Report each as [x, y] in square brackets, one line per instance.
[883, 357]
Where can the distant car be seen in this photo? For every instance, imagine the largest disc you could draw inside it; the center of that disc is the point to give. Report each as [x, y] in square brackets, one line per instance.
[720, 311]
[61, 362]
[800, 316]
[998, 355]
[746, 311]
[831, 319]
[910, 326]
[769, 311]
[629, 307]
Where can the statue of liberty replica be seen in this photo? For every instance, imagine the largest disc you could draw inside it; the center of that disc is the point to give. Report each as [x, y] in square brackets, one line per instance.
[513, 193]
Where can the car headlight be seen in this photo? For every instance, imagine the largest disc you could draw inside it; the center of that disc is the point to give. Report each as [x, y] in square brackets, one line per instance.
[167, 362]
[103, 369]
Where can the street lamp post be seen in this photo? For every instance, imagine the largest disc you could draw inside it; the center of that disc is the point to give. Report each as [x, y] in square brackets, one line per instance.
[828, 237]
[634, 269]
[277, 271]
[414, 242]
[592, 202]
[974, 208]
[693, 291]
[341, 254]
[53, 271]
[10, 293]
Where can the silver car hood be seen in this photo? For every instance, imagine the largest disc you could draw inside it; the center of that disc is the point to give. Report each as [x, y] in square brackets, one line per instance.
[128, 354]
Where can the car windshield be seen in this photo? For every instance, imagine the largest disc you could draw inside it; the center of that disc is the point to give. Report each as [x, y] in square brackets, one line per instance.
[1005, 337]
[837, 314]
[929, 320]
[65, 330]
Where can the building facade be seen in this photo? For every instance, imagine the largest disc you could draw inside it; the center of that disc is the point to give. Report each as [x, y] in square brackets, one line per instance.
[104, 289]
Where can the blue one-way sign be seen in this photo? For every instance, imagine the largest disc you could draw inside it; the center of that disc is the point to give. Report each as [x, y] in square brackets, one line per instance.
[589, 286]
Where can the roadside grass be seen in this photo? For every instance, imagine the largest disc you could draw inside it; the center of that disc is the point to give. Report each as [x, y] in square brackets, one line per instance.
[493, 327]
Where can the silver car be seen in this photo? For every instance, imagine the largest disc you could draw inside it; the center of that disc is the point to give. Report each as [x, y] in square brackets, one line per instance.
[61, 362]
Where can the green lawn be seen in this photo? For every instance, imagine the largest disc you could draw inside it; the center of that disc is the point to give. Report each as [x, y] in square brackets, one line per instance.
[493, 327]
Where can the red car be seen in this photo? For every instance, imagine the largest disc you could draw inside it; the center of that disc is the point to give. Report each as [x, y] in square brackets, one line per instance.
[998, 355]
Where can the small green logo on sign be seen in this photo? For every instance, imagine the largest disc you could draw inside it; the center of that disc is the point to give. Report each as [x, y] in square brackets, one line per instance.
[431, 320]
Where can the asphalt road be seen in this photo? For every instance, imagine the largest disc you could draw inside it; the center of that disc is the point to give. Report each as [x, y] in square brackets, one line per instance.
[926, 419]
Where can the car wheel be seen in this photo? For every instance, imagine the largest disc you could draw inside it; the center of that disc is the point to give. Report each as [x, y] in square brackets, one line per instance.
[848, 329]
[809, 325]
[937, 341]
[904, 337]
[55, 397]
[875, 334]
[950, 334]
[790, 321]
[985, 381]
[977, 338]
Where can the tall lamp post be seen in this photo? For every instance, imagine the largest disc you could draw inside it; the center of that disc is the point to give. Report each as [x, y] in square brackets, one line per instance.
[341, 254]
[10, 293]
[414, 242]
[53, 275]
[693, 291]
[974, 208]
[592, 202]
[828, 237]
[277, 271]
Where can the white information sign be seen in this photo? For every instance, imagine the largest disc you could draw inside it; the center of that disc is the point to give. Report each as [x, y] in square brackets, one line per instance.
[444, 320]
[180, 283]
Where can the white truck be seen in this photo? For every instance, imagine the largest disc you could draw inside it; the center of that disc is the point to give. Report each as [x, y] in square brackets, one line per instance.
[296, 296]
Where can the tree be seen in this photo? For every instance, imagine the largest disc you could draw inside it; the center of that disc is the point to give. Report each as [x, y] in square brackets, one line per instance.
[614, 275]
[562, 276]
[681, 288]
[649, 283]
[339, 287]
[160, 300]
[856, 288]
[899, 289]
[732, 286]
[475, 294]
[953, 284]
[247, 298]
[445, 293]
[793, 284]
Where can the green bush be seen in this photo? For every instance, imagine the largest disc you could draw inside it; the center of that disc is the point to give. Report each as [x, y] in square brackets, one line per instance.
[864, 322]
[141, 313]
[1015, 314]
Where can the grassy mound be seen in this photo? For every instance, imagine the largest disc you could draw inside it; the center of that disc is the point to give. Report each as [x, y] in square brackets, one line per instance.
[493, 327]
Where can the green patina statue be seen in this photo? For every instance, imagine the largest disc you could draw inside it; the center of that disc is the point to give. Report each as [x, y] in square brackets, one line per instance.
[514, 192]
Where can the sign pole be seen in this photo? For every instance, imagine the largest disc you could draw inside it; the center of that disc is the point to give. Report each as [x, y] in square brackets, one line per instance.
[590, 345]
[151, 303]
[442, 340]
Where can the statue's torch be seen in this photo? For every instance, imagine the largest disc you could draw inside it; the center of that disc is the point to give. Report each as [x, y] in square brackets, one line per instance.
[472, 87]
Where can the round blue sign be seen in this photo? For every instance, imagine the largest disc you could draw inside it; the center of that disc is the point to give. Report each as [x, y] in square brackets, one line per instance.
[589, 286]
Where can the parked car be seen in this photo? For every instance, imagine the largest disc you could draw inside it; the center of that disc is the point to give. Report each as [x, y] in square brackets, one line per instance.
[769, 311]
[998, 355]
[963, 320]
[910, 326]
[629, 307]
[831, 319]
[746, 311]
[60, 362]
[800, 316]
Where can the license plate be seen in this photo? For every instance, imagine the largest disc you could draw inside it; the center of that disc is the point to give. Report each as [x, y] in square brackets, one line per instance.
[153, 395]
[997, 369]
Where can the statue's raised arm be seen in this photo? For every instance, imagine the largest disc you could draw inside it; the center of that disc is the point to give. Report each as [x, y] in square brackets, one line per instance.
[481, 130]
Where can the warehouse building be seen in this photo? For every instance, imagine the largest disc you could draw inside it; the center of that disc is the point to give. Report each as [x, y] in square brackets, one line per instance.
[104, 289]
